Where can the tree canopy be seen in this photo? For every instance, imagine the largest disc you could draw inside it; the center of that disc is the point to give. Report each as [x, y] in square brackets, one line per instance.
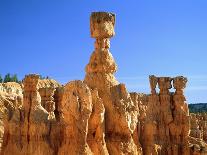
[14, 78]
[9, 78]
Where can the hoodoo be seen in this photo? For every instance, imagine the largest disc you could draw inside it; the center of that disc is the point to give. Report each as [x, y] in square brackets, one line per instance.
[97, 115]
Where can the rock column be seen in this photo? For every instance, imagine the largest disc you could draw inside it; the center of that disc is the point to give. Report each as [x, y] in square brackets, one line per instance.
[181, 114]
[120, 111]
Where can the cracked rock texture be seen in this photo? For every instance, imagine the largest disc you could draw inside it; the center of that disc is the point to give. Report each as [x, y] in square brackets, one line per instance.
[98, 116]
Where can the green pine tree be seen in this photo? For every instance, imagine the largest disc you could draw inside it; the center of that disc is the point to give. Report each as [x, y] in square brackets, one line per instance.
[42, 77]
[7, 78]
[14, 78]
[1, 80]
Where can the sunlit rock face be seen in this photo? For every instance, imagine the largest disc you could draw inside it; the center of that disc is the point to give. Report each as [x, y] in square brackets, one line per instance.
[97, 115]
[120, 111]
[166, 126]
[198, 131]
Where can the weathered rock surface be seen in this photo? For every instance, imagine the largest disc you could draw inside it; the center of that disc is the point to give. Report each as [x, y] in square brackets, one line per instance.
[121, 113]
[198, 130]
[98, 116]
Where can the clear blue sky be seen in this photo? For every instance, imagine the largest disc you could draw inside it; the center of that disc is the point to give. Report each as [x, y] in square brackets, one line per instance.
[161, 37]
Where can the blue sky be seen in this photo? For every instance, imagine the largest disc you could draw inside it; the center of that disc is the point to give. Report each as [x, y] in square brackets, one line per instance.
[161, 37]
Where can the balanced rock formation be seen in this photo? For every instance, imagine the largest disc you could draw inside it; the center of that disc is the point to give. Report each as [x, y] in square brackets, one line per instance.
[98, 116]
[121, 113]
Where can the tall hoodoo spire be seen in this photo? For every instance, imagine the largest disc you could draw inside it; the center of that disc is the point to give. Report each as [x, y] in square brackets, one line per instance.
[101, 65]
[121, 112]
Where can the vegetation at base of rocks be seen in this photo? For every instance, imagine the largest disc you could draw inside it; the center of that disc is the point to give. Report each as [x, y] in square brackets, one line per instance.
[198, 108]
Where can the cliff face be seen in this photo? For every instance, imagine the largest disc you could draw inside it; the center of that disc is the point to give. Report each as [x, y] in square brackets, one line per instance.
[97, 115]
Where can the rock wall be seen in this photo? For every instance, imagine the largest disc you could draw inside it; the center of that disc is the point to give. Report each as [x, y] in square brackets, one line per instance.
[98, 116]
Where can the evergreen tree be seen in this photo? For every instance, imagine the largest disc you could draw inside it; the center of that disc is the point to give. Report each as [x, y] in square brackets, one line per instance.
[14, 78]
[1, 80]
[7, 78]
[42, 77]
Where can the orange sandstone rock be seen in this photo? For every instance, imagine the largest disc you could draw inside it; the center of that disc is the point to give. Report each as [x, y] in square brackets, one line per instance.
[98, 116]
